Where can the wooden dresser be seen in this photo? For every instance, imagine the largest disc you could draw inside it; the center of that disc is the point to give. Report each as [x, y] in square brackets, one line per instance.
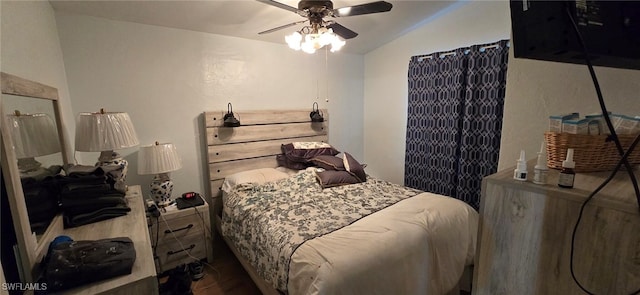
[142, 279]
[524, 238]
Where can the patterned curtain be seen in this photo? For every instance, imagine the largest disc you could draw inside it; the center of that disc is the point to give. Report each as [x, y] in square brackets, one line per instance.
[454, 119]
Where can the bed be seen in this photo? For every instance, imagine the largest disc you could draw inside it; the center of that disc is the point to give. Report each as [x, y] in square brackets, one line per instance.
[407, 242]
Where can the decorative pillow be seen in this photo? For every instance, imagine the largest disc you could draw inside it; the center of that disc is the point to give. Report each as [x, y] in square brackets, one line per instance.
[259, 176]
[303, 152]
[352, 166]
[331, 178]
[328, 162]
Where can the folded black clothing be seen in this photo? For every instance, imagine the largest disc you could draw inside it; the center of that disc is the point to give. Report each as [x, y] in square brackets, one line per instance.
[42, 212]
[69, 199]
[76, 191]
[40, 174]
[37, 194]
[111, 171]
[86, 188]
[48, 184]
[83, 179]
[83, 170]
[98, 215]
[91, 170]
[101, 200]
[70, 222]
[109, 174]
[41, 203]
[84, 209]
[82, 206]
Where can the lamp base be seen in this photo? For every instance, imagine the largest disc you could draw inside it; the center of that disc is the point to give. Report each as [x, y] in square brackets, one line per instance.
[110, 158]
[161, 188]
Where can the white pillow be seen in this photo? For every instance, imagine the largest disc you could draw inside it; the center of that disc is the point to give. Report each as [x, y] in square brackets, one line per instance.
[258, 176]
[310, 145]
[288, 171]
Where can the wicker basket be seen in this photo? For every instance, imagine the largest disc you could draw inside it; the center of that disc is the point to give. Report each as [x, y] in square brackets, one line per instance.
[591, 152]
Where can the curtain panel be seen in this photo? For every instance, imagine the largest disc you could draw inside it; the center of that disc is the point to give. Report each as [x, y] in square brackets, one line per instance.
[454, 119]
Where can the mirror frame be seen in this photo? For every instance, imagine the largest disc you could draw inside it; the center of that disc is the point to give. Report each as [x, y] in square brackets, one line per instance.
[30, 249]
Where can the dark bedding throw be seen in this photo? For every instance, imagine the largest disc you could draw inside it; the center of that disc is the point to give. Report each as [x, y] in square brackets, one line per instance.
[268, 222]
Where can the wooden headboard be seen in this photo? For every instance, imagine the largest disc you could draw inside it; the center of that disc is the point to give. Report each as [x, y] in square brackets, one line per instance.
[255, 143]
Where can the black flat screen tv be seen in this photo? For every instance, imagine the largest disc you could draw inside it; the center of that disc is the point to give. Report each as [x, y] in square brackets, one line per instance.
[543, 30]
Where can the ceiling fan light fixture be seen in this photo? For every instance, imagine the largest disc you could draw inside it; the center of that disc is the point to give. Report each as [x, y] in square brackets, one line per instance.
[293, 40]
[336, 44]
[309, 41]
[321, 32]
[308, 47]
[326, 36]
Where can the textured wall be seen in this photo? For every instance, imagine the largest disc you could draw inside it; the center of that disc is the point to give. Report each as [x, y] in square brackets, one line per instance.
[537, 89]
[165, 78]
[31, 49]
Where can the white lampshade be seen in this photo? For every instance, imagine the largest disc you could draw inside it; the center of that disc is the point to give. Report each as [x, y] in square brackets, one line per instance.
[158, 158]
[33, 135]
[104, 131]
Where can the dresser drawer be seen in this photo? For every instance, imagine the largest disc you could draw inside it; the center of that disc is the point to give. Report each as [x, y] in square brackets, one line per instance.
[180, 227]
[188, 226]
[171, 254]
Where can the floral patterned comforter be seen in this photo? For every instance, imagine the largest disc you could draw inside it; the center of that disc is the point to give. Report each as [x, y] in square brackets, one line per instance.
[268, 222]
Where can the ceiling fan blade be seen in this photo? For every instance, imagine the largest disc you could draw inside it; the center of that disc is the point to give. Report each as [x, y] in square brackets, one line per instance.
[342, 31]
[281, 27]
[279, 5]
[367, 8]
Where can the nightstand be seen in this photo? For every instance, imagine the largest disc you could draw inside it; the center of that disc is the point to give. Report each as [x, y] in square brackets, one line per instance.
[180, 236]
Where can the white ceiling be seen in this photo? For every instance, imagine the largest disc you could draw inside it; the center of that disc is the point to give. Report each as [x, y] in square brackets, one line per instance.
[245, 18]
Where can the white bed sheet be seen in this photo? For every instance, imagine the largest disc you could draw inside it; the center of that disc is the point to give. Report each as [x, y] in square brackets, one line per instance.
[418, 246]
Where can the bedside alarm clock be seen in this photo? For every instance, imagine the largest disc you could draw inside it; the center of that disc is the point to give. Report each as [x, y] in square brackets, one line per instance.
[190, 195]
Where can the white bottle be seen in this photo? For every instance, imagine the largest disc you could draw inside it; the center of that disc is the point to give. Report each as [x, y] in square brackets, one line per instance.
[520, 173]
[540, 170]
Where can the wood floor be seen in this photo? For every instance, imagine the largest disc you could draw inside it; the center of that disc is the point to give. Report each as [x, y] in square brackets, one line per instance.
[224, 275]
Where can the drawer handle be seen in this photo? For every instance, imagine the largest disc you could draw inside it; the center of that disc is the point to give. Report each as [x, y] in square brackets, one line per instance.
[176, 252]
[168, 231]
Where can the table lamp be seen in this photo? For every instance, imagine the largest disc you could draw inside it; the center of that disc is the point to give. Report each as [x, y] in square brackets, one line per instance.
[159, 159]
[33, 135]
[105, 132]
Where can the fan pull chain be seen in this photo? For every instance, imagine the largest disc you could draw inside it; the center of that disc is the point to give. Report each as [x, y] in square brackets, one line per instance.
[317, 82]
[326, 70]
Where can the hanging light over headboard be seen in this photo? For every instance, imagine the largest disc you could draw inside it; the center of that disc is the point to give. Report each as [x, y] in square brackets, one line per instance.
[229, 119]
[316, 114]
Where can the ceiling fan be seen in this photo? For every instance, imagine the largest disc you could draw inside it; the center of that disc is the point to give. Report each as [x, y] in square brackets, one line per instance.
[316, 11]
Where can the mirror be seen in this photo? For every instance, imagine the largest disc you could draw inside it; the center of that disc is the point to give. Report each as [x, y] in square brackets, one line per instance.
[25, 159]
[38, 152]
